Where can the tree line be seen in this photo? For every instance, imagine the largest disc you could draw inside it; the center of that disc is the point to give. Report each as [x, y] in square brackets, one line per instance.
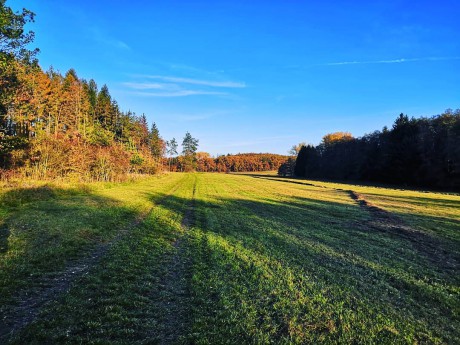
[242, 162]
[421, 152]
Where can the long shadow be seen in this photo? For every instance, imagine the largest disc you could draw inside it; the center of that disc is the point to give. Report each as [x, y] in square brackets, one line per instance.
[253, 175]
[15, 198]
[429, 201]
[363, 184]
[312, 237]
[51, 236]
[285, 181]
[333, 223]
[4, 235]
[305, 235]
[431, 241]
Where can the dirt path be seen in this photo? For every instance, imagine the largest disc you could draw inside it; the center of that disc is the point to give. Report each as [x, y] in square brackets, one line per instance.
[175, 304]
[30, 302]
[431, 247]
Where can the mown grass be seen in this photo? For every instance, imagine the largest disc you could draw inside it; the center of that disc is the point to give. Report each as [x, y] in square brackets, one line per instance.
[295, 267]
[119, 301]
[263, 259]
[45, 227]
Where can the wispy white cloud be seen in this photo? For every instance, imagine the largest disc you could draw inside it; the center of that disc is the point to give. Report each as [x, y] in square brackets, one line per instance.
[193, 117]
[118, 44]
[179, 93]
[402, 60]
[171, 86]
[150, 86]
[211, 83]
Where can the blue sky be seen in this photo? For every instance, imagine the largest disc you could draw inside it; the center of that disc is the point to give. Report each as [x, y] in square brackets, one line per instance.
[259, 76]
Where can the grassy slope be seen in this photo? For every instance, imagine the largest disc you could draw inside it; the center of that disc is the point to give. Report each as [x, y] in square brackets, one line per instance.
[262, 260]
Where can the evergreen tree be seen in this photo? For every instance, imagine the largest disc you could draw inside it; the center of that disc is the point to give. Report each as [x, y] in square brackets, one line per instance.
[155, 142]
[189, 145]
[144, 134]
[172, 147]
[189, 148]
[301, 162]
[287, 168]
[13, 40]
[104, 107]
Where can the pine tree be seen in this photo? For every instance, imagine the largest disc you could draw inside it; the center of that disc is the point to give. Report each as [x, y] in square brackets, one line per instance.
[189, 148]
[301, 162]
[156, 142]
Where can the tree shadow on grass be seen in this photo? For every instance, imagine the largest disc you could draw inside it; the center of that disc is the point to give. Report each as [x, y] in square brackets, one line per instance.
[4, 235]
[438, 247]
[309, 235]
[311, 238]
[53, 236]
[15, 198]
[424, 201]
[281, 179]
[53, 225]
[360, 184]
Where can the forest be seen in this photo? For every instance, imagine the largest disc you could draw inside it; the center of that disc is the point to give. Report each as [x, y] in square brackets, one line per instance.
[421, 152]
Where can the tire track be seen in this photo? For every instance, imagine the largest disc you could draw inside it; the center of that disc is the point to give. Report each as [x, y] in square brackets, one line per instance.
[175, 285]
[428, 245]
[31, 302]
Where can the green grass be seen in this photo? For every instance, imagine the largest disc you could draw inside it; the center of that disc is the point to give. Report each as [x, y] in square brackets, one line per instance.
[228, 259]
[45, 227]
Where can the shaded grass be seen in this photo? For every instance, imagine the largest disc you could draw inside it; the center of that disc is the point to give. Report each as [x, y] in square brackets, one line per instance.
[120, 299]
[44, 234]
[433, 212]
[266, 262]
[299, 271]
[44, 228]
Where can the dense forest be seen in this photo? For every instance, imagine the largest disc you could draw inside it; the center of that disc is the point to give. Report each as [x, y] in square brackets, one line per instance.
[60, 126]
[414, 152]
[55, 125]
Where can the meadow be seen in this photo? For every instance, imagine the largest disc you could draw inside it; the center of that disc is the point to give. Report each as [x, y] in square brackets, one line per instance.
[208, 258]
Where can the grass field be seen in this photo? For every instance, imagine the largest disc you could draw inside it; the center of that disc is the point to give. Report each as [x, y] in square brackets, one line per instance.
[228, 259]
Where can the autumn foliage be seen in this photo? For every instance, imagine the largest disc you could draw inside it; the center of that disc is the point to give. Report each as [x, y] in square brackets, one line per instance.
[243, 162]
[58, 126]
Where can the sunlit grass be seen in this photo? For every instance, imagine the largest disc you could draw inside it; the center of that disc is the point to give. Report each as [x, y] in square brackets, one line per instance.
[265, 260]
[375, 286]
